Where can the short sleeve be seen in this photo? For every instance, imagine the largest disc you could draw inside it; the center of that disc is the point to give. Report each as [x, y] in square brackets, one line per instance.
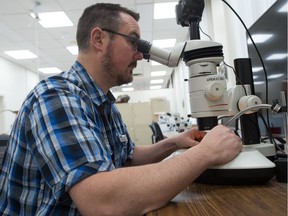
[66, 139]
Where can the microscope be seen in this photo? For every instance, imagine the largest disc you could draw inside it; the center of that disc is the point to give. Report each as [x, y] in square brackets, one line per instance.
[210, 98]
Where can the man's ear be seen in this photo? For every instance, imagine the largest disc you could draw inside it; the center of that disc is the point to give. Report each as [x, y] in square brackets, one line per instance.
[98, 38]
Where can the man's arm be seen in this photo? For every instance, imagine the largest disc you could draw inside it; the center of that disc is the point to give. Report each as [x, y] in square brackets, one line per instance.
[140, 189]
[146, 154]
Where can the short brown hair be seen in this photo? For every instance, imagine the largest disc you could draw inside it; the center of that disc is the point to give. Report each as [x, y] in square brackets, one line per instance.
[103, 15]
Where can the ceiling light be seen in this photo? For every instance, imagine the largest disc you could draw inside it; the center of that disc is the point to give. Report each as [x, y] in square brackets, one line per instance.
[275, 76]
[155, 87]
[73, 49]
[277, 56]
[157, 81]
[158, 73]
[260, 38]
[21, 54]
[54, 19]
[49, 70]
[128, 89]
[258, 83]
[256, 69]
[128, 84]
[284, 8]
[165, 43]
[164, 10]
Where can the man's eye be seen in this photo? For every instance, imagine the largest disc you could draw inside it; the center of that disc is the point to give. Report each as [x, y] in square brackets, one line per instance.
[133, 41]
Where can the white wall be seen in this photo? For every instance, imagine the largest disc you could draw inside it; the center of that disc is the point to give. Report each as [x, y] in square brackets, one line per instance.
[15, 83]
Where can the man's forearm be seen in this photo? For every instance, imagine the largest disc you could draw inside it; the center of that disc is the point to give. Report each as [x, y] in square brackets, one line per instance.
[137, 190]
[146, 154]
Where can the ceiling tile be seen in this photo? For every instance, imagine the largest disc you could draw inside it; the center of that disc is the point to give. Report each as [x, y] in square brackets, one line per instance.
[18, 30]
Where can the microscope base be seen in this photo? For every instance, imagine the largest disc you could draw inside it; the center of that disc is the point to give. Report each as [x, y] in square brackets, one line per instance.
[249, 167]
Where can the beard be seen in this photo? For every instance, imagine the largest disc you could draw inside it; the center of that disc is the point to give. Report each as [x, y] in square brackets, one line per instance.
[117, 78]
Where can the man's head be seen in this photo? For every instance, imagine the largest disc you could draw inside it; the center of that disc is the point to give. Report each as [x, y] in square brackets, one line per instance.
[107, 38]
[102, 15]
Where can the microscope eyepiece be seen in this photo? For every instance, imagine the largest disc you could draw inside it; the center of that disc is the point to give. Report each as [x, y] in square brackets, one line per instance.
[144, 47]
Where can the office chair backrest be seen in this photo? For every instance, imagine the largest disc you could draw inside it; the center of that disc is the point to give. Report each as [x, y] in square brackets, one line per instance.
[157, 132]
[3, 145]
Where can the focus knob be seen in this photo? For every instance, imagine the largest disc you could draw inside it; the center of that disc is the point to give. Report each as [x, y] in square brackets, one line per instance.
[214, 91]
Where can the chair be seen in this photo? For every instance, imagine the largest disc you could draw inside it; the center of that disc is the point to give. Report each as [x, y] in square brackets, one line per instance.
[157, 134]
[3, 145]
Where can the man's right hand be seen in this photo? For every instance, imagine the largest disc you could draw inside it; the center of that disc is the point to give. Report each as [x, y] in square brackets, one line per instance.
[220, 145]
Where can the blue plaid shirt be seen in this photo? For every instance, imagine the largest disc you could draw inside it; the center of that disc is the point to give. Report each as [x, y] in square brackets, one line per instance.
[66, 130]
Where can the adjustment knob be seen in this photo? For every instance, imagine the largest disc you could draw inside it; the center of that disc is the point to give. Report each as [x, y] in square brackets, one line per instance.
[249, 101]
[214, 91]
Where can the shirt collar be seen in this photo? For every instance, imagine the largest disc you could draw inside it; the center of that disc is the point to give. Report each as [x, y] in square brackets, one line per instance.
[92, 88]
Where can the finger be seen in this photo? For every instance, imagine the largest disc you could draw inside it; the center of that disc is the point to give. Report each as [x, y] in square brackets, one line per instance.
[199, 135]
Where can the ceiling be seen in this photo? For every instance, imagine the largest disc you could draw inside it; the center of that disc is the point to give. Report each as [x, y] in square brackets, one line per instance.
[18, 30]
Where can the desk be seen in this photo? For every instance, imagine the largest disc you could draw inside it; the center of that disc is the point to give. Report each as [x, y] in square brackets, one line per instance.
[222, 200]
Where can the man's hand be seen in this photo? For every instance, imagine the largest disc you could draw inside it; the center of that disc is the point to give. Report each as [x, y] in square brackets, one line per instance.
[189, 138]
[220, 145]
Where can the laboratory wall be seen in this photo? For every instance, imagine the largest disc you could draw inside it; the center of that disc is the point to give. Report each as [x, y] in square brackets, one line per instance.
[15, 83]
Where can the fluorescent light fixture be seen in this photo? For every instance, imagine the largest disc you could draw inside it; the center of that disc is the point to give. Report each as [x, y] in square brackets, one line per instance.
[128, 89]
[277, 56]
[256, 69]
[164, 10]
[49, 70]
[258, 83]
[165, 43]
[73, 49]
[54, 19]
[284, 9]
[275, 76]
[158, 73]
[157, 81]
[260, 38]
[255, 77]
[21, 54]
[128, 84]
[155, 87]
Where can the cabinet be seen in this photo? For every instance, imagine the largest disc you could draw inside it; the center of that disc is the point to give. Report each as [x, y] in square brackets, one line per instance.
[159, 105]
[138, 117]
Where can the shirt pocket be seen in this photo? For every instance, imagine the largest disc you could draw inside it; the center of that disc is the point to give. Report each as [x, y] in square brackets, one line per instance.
[121, 148]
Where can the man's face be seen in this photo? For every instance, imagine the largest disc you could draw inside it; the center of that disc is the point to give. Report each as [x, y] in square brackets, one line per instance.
[121, 56]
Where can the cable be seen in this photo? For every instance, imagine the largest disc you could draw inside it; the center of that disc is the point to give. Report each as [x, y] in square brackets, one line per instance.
[236, 76]
[258, 53]
[267, 128]
[266, 106]
[205, 33]
[270, 136]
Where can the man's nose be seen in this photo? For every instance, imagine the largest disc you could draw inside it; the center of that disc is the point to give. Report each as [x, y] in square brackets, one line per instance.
[138, 55]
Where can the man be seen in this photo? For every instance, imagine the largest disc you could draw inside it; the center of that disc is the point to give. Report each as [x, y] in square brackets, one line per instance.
[69, 151]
